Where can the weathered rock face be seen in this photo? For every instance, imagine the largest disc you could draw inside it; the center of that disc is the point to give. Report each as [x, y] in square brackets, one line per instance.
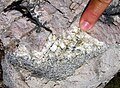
[65, 58]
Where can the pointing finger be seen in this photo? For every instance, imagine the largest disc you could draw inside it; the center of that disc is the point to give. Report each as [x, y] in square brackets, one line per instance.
[92, 13]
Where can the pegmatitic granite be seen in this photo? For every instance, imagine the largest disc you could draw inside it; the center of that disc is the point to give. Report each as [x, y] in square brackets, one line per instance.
[65, 58]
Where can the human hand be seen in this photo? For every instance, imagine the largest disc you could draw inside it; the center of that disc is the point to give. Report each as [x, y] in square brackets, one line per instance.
[92, 13]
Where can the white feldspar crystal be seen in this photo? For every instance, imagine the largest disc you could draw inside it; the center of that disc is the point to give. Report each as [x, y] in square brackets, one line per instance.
[62, 45]
[53, 48]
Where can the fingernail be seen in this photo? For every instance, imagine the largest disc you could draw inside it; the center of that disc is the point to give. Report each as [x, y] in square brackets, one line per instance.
[85, 25]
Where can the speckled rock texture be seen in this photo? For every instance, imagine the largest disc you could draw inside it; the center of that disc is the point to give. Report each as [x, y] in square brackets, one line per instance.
[65, 58]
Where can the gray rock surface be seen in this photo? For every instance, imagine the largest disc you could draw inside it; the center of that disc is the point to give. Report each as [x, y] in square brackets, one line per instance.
[65, 58]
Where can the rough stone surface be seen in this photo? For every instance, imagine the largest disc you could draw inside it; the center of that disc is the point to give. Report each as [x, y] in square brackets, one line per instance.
[65, 58]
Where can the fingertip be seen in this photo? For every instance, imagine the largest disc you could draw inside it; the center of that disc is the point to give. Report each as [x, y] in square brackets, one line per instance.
[85, 25]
